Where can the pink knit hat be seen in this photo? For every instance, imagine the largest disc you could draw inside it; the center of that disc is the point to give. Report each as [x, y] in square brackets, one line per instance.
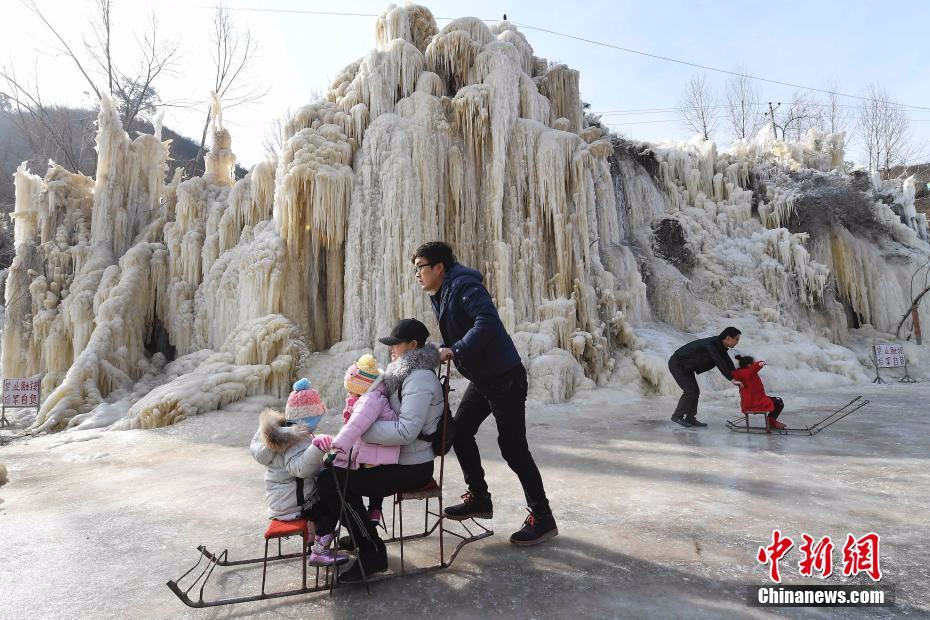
[304, 402]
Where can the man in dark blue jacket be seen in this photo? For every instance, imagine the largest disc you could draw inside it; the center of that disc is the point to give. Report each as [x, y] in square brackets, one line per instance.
[691, 360]
[475, 340]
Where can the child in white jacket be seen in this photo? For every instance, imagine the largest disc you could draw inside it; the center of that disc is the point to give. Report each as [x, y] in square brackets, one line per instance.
[292, 456]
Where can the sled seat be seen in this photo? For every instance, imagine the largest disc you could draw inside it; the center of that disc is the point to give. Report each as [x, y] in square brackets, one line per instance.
[765, 416]
[284, 529]
[429, 490]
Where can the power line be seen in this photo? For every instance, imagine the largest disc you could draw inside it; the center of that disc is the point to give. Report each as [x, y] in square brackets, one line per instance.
[760, 104]
[310, 12]
[707, 67]
[590, 41]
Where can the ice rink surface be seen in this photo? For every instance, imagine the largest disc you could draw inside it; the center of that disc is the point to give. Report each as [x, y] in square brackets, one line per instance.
[655, 520]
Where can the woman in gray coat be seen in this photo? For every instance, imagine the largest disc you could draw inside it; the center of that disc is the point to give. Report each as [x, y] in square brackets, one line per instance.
[416, 395]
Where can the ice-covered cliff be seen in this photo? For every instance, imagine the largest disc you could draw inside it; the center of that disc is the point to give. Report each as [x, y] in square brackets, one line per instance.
[142, 300]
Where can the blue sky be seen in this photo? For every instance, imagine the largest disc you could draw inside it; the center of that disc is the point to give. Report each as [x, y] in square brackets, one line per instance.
[808, 43]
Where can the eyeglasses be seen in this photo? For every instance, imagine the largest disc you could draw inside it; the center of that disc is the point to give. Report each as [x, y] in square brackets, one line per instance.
[423, 266]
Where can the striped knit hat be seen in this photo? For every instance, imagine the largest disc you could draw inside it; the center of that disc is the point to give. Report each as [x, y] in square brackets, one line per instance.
[361, 374]
[305, 403]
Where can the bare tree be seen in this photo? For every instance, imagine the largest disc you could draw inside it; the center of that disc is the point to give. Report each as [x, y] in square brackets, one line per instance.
[134, 89]
[836, 115]
[135, 92]
[802, 114]
[234, 51]
[46, 130]
[884, 126]
[698, 104]
[742, 104]
[51, 131]
[273, 140]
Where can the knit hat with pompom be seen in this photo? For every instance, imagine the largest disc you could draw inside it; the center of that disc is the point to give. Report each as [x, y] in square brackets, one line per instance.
[362, 374]
[304, 402]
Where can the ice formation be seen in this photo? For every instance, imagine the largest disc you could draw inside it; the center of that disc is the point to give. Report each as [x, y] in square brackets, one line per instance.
[142, 300]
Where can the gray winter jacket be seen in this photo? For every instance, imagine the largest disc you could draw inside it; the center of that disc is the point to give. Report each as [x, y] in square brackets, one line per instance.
[291, 464]
[419, 408]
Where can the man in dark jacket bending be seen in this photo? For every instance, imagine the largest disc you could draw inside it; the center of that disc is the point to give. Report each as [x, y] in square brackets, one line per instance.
[475, 340]
[691, 360]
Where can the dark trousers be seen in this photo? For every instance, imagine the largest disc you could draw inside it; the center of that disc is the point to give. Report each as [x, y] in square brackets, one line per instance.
[779, 406]
[691, 393]
[367, 482]
[505, 398]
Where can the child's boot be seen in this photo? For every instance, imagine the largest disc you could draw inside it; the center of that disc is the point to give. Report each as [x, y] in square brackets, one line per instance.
[323, 554]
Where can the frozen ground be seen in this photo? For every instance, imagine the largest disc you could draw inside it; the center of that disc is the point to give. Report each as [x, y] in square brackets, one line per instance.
[655, 520]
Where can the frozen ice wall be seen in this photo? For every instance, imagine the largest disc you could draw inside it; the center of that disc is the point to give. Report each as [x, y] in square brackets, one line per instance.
[142, 300]
[106, 287]
[775, 238]
[472, 139]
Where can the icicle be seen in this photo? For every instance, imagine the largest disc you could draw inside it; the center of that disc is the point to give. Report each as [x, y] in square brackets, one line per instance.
[560, 85]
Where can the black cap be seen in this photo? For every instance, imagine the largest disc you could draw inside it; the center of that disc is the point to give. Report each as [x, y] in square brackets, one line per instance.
[405, 331]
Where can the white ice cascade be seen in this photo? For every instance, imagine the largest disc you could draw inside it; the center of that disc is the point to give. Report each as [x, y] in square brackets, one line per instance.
[142, 302]
[470, 150]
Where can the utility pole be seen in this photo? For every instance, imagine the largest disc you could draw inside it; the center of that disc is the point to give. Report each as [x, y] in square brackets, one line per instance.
[915, 319]
[772, 116]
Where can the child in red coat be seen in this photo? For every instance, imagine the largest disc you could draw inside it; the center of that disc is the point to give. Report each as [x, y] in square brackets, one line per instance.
[752, 392]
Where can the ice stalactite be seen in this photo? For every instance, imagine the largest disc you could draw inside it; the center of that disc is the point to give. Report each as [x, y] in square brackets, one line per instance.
[112, 357]
[26, 208]
[220, 162]
[714, 199]
[260, 357]
[412, 23]
[130, 181]
[396, 203]
[248, 204]
[20, 348]
[559, 84]
[312, 195]
[52, 218]
[450, 56]
[243, 284]
[529, 205]
[912, 219]
[95, 313]
[877, 290]
[193, 239]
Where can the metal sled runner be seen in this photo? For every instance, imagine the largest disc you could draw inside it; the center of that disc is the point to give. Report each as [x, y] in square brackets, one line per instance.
[207, 562]
[212, 561]
[742, 425]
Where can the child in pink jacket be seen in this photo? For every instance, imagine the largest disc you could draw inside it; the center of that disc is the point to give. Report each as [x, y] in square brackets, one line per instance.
[366, 404]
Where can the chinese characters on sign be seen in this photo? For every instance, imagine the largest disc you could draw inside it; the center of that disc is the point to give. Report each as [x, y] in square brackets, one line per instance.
[20, 392]
[889, 355]
[860, 555]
